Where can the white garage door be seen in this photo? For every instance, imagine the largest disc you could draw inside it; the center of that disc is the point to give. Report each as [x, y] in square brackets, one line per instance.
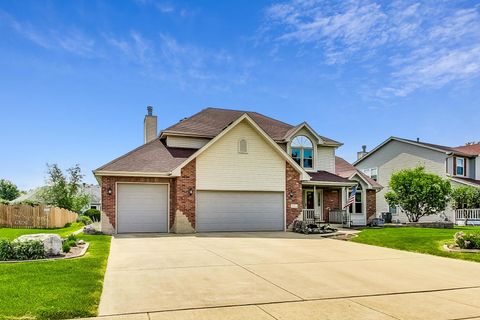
[142, 208]
[239, 211]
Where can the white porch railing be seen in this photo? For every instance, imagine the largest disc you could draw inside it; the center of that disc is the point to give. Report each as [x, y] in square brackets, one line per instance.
[463, 216]
[337, 216]
[309, 215]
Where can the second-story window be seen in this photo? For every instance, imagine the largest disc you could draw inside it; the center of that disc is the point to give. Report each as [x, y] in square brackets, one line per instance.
[460, 165]
[372, 173]
[302, 151]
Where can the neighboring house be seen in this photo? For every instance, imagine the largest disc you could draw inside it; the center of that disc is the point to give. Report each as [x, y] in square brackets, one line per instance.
[460, 164]
[222, 170]
[367, 188]
[90, 189]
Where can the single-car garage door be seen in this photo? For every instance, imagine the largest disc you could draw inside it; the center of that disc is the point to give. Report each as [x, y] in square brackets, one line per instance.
[142, 208]
[239, 211]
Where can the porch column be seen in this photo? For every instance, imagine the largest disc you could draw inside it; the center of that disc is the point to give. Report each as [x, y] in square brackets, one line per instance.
[315, 199]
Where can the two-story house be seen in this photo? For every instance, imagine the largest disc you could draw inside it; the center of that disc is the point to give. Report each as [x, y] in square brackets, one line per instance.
[223, 170]
[460, 164]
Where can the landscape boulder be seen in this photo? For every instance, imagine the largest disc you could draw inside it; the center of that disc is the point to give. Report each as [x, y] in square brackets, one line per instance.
[51, 242]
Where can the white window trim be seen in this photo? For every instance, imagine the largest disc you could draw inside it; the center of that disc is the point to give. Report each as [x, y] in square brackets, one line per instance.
[368, 172]
[313, 148]
[462, 166]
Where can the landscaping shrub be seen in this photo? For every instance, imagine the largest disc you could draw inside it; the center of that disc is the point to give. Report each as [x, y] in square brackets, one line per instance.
[93, 214]
[85, 220]
[28, 250]
[31, 203]
[72, 237]
[467, 240]
[67, 225]
[66, 247]
[3, 201]
[72, 243]
[6, 250]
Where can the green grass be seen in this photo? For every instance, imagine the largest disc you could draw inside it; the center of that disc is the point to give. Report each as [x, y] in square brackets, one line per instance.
[60, 289]
[11, 233]
[422, 240]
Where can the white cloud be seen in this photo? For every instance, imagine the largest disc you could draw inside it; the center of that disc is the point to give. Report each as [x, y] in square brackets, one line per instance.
[421, 45]
[70, 40]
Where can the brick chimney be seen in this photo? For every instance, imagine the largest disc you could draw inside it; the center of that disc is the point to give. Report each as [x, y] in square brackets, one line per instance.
[362, 153]
[150, 126]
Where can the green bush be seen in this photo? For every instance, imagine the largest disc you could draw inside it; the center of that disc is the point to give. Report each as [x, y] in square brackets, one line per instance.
[3, 201]
[66, 247]
[32, 203]
[6, 250]
[72, 243]
[84, 219]
[72, 237]
[28, 250]
[467, 240]
[93, 214]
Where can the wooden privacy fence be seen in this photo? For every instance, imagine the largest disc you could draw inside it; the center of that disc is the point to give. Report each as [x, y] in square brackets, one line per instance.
[25, 216]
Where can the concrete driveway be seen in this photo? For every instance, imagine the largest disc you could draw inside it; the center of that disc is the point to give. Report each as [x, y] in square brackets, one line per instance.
[281, 276]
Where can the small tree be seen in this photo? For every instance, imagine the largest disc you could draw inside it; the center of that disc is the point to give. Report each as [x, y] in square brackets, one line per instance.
[64, 192]
[418, 193]
[8, 191]
[466, 197]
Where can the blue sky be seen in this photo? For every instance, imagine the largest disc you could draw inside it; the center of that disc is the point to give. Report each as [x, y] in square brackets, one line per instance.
[76, 76]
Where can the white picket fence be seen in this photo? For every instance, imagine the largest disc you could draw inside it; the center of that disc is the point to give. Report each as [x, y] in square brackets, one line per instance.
[465, 217]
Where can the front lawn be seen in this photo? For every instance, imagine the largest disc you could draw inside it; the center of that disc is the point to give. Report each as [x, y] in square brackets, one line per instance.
[11, 233]
[60, 289]
[423, 240]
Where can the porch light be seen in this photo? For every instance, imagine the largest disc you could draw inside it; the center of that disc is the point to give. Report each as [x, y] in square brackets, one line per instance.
[109, 191]
[190, 191]
[291, 194]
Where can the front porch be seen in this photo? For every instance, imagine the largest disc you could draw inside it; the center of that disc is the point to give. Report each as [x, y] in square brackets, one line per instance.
[324, 204]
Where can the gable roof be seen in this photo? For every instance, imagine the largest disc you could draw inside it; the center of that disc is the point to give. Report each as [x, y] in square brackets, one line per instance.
[346, 170]
[210, 122]
[268, 139]
[154, 158]
[430, 146]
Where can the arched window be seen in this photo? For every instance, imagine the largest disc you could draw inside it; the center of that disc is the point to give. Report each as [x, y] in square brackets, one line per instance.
[242, 146]
[302, 151]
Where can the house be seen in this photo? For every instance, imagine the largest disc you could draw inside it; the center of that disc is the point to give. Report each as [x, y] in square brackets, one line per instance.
[222, 170]
[92, 190]
[460, 164]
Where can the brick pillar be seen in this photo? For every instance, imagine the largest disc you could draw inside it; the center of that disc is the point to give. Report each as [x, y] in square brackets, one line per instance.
[371, 204]
[183, 200]
[293, 194]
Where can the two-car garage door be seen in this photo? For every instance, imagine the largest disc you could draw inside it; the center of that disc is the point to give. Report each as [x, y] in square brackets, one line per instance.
[239, 211]
[142, 208]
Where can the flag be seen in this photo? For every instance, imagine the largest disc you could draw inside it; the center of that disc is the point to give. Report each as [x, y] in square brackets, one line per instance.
[351, 199]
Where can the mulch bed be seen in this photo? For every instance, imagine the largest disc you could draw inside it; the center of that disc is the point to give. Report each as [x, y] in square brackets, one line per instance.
[75, 252]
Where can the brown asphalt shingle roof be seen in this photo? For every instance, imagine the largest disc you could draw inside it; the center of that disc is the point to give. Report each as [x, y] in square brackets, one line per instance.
[211, 121]
[473, 149]
[344, 169]
[154, 156]
[326, 176]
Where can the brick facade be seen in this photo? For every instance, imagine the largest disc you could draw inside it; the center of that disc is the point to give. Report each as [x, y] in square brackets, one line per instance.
[109, 200]
[371, 203]
[182, 201]
[331, 201]
[293, 194]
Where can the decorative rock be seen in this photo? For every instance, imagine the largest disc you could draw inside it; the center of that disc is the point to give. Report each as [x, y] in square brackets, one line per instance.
[80, 242]
[51, 242]
[89, 229]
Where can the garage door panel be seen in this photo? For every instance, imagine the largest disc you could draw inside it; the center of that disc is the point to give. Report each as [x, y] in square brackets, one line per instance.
[142, 208]
[240, 211]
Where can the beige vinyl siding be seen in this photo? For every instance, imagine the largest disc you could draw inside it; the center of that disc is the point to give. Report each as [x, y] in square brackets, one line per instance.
[222, 167]
[325, 159]
[186, 142]
[395, 156]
